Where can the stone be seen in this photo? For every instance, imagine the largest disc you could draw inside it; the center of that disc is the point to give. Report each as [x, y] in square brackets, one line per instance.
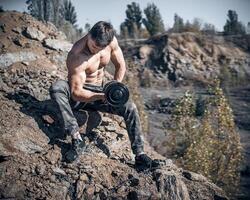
[58, 170]
[17, 30]
[34, 33]
[84, 177]
[59, 45]
[110, 128]
[10, 58]
[40, 169]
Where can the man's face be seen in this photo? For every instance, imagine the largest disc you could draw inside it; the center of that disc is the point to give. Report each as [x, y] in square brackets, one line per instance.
[93, 47]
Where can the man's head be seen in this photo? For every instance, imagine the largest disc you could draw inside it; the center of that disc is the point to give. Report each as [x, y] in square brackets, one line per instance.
[101, 34]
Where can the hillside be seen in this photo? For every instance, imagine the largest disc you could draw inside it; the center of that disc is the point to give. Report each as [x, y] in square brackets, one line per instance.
[32, 148]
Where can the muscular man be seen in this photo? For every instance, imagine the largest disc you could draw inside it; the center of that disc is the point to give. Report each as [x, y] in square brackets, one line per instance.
[86, 62]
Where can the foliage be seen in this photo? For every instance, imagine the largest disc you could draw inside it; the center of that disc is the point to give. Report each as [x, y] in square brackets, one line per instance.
[209, 28]
[87, 27]
[132, 25]
[1, 9]
[153, 21]
[207, 144]
[40, 9]
[233, 26]
[61, 14]
[178, 26]
[69, 12]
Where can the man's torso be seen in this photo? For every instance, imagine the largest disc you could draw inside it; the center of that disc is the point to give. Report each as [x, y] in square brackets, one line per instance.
[96, 62]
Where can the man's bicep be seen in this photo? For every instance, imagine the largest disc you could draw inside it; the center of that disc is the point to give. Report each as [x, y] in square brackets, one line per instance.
[117, 56]
[76, 81]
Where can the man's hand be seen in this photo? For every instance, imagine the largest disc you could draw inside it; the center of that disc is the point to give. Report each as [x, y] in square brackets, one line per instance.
[103, 97]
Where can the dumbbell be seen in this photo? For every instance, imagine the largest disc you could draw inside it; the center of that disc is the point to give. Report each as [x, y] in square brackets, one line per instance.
[116, 93]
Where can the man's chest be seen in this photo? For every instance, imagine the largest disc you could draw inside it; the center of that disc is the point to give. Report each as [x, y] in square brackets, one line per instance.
[98, 61]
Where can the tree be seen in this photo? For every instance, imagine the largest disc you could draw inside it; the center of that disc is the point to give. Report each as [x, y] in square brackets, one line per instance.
[87, 27]
[209, 28]
[153, 21]
[197, 23]
[233, 26]
[69, 12]
[178, 24]
[1, 9]
[133, 19]
[40, 9]
[124, 31]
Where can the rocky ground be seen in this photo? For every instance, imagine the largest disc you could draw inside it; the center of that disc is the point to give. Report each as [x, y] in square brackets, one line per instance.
[32, 146]
[171, 64]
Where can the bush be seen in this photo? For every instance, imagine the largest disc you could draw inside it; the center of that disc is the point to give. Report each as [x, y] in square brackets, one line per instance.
[209, 145]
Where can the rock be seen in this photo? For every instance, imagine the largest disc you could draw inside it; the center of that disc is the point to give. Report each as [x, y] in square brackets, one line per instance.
[110, 128]
[48, 119]
[34, 33]
[17, 30]
[61, 36]
[90, 189]
[84, 177]
[58, 170]
[10, 58]
[54, 155]
[57, 44]
[18, 41]
[40, 169]
[170, 185]
[80, 186]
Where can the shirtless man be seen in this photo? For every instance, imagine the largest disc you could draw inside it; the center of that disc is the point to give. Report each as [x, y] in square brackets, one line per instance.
[86, 62]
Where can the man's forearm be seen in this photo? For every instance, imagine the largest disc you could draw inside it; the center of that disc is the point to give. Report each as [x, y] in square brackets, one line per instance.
[87, 96]
[119, 74]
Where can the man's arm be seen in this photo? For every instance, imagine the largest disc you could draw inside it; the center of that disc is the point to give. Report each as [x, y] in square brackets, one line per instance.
[118, 60]
[77, 77]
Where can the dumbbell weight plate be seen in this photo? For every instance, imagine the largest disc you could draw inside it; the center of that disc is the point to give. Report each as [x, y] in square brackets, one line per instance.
[117, 94]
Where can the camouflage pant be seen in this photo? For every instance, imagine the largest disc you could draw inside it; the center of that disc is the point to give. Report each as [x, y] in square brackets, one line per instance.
[60, 93]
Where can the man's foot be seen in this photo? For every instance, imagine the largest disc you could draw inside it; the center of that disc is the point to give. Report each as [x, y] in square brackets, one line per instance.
[143, 161]
[77, 148]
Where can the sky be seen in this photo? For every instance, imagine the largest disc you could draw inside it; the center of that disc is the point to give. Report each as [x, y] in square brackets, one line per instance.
[91, 11]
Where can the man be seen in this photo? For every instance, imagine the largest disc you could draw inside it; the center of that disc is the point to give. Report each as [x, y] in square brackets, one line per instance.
[86, 62]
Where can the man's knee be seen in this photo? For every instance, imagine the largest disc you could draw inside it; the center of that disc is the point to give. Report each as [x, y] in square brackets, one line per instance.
[130, 106]
[60, 86]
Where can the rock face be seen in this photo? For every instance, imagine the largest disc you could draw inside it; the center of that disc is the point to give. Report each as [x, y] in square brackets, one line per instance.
[32, 147]
[189, 57]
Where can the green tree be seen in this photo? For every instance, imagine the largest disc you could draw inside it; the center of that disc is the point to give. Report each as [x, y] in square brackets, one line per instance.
[69, 12]
[87, 27]
[197, 24]
[153, 21]
[178, 24]
[208, 144]
[40, 9]
[233, 26]
[209, 28]
[133, 19]
[124, 31]
[1, 9]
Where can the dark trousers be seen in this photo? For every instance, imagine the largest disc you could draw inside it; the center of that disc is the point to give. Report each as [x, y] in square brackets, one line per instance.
[60, 93]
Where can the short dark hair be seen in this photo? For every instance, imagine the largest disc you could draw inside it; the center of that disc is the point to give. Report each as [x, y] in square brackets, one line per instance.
[103, 33]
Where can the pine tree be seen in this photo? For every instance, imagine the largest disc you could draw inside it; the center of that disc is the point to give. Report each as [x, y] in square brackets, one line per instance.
[153, 21]
[233, 26]
[134, 19]
[178, 24]
[69, 12]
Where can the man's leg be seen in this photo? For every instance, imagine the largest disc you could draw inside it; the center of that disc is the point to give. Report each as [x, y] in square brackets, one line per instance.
[132, 120]
[60, 94]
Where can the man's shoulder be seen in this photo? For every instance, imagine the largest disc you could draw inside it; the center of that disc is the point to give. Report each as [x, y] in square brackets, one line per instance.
[76, 60]
[114, 43]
